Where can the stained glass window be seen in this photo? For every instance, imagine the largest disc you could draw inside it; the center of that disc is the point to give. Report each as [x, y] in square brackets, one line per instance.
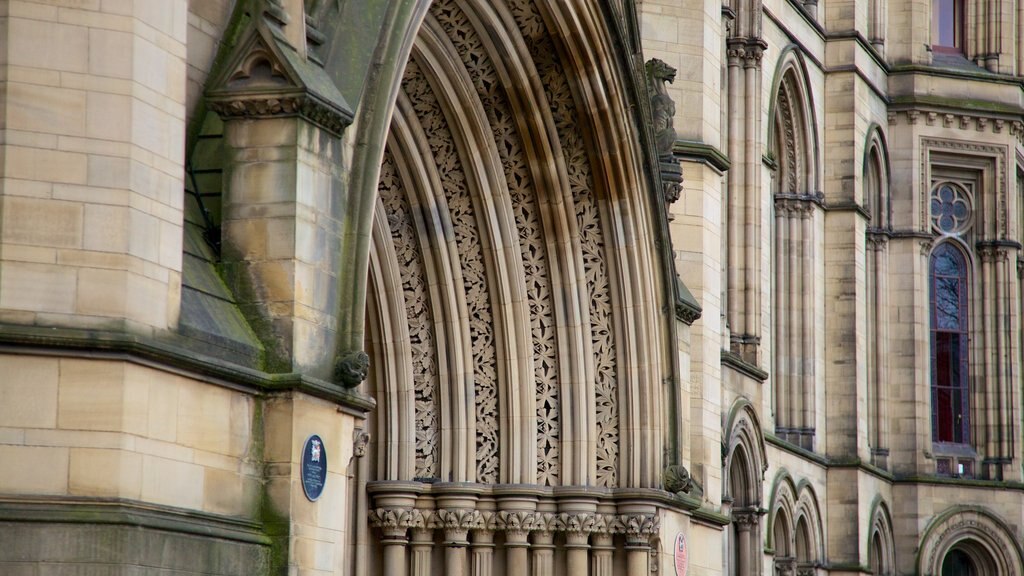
[949, 322]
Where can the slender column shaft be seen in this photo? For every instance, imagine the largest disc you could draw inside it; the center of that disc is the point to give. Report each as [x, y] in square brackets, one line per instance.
[576, 549]
[394, 543]
[743, 530]
[543, 554]
[422, 546]
[808, 325]
[751, 164]
[482, 553]
[603, 549]
[455, 552]
[1001, 352]
[637, 558]
[517, 561]
[796, 300]
[992, 408]
[732, 219]
[782, 353]
[882, 347]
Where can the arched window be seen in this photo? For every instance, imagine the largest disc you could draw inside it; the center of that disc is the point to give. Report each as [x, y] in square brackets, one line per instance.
[949, 345]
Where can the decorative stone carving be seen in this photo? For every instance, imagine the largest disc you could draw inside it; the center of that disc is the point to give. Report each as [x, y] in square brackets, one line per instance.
[530, 231]
[588, 220]
[418, 314]
[463, 221]
[351, 368]
[637, 528]
[677, 479]
[362, 439]
[394, 522]
[266, 78]
[518, 523]
[663, 109]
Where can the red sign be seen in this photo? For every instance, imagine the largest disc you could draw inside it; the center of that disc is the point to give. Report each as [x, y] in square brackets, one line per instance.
[681, 555]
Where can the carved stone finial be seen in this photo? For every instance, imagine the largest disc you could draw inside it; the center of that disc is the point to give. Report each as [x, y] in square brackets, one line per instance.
[351, 368]
[663, 109]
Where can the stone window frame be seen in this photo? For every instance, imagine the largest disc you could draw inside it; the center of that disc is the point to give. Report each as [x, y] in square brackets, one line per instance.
[980, 169]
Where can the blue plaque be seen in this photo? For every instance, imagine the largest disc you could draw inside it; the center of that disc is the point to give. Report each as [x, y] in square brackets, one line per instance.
[314, 467]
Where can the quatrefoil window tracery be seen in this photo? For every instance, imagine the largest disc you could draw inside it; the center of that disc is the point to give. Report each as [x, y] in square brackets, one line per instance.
[951, 208]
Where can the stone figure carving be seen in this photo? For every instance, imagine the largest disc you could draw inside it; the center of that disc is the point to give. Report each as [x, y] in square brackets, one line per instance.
[352, 368]
[663, 109]
[678, 480]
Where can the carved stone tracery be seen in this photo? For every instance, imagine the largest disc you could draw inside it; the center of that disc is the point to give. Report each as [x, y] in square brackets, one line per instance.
[474, 275]
[592, 242]
[418, 316]
[530, 231]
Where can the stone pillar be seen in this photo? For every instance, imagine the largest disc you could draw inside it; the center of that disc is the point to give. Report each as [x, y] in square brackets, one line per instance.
[92, 182]
[456, 523]
[281, 217]
[638, 529]
[483, 552]
[455, 544]
[394, 524]
[603, 548]
[543, 553]
[576, 549]
[516, 550]
[422, 549]
[746, 536]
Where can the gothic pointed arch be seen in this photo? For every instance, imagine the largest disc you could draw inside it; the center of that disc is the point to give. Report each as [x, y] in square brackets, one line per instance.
[745, 464]
[781, 516]
[808, 529]
[878, 204]
[521, 300]
[798, 221]
[881, 544]
[974, 533]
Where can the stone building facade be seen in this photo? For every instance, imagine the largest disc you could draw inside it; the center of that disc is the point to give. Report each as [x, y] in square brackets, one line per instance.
[562, 287]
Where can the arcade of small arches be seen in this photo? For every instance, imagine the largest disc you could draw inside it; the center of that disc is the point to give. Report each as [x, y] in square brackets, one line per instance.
[961, 541]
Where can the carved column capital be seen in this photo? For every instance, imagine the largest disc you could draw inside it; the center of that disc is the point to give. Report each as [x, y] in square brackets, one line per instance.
[517, 525]
[457, 524]
[745, 520]
[877, 241]
[637, 528]
[394, 523]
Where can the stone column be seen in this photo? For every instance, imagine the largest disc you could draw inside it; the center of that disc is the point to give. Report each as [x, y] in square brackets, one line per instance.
[456, 525]
[746, 535]
[543, 553]
[482, 552]
[603, 548]
[422, 548]
[517, 526]
[516, 550]
[638, 529]
[576, 548]
[394, 524]
[577, 526]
